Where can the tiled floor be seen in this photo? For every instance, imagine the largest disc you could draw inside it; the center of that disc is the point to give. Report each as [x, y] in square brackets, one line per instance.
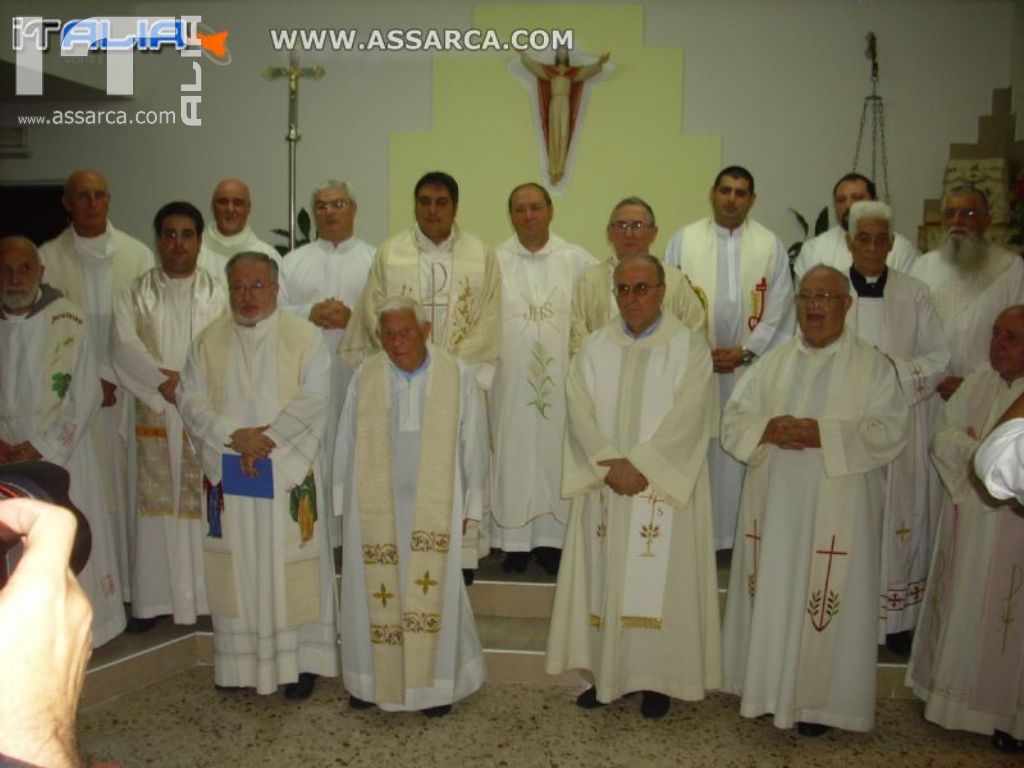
[185, 722]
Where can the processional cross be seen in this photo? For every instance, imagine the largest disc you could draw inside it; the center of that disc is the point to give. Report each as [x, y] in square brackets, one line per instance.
[293, 72]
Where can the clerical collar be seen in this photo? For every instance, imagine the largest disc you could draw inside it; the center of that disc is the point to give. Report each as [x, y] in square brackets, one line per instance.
[726, 232]
[341, 247]
[426, 244]
[220, 238]
[542, 251]
[869, 287]
[643, 334]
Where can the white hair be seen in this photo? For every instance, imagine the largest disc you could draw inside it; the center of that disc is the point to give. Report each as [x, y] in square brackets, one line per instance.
[869, 209]
[843, 279]
[344, 186]
[401, 304]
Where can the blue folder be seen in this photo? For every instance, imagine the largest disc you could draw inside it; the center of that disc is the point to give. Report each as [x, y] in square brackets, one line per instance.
[238, 484]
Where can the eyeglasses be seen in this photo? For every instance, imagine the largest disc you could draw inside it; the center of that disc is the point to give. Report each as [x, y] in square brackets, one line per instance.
[953, 213]
[622, 290]
[880, 240]
[625, 226]
[239, 288]
[323, 205]
[818, 298]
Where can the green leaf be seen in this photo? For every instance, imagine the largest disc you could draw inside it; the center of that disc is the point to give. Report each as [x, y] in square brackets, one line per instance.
[821, 223]
[303, 223]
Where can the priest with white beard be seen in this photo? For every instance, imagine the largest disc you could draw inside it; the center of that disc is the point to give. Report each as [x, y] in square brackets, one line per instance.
[968, 662]
[410, 471]
[971, 282]
[456, 279]
[636, 604]
[893, 312]
[816, 420]
[90, 262]
[321, 282]
[527, 403]
[155, 320]
[830, 248]
[49, 399]
[631, 231]
[253, 395]
[231, 234]
[741, 272]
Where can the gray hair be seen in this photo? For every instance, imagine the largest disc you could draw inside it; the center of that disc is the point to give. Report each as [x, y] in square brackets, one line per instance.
[843, 279]
[632, 201]
[252, 257]
[331, 184]
[869, 209]
[653, 260]
[401, 304]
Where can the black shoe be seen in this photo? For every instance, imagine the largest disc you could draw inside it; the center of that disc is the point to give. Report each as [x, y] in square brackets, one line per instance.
[136, 626]
[549, 559]
[900, 643]
[229, 688]
[654, 705]
[356, 703]
[812, 729]
[301, 690]
[1004, 742]
[515, 562]
[588, 699]
[440, 711]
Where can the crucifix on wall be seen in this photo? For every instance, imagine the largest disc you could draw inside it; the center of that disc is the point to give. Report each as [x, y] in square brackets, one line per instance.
[559, 95]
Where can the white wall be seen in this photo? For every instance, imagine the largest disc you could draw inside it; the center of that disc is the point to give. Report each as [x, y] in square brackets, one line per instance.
[782, 82]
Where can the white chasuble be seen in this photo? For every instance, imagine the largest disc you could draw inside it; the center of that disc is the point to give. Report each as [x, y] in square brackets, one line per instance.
[903, 325]
[801, 615]
[50, 397]
[218, 249]
[527, 400]
[635, 602]
[269, 570]
[155, 320]
[968, 658]
[409, 641]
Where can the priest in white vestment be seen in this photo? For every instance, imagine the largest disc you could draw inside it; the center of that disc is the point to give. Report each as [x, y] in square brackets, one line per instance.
[830, 248]
[527, 401]
[893, 312]
[253, 395]
[90, 262]
[410, 470]
[636, 604]
[231, 234]
[321, 282]
[456, 279]
[816, 420]
[999, 460]
[155, 320]
[631, 231]
[741, 271]
[49, 399]
[971, 281]
[968, 662]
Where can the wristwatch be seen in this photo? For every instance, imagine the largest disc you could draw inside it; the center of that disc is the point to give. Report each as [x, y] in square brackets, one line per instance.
[748, 357]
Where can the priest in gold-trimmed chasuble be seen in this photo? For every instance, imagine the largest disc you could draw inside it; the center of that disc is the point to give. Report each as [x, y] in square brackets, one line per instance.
[816, 421]
[410, 470]
[636, 603]
[254, 390]
[155, 320]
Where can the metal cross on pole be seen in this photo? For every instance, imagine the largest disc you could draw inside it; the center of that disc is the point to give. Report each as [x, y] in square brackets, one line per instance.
[293, 72]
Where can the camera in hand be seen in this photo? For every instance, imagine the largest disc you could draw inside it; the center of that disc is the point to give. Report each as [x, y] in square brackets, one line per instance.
[42, 481]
